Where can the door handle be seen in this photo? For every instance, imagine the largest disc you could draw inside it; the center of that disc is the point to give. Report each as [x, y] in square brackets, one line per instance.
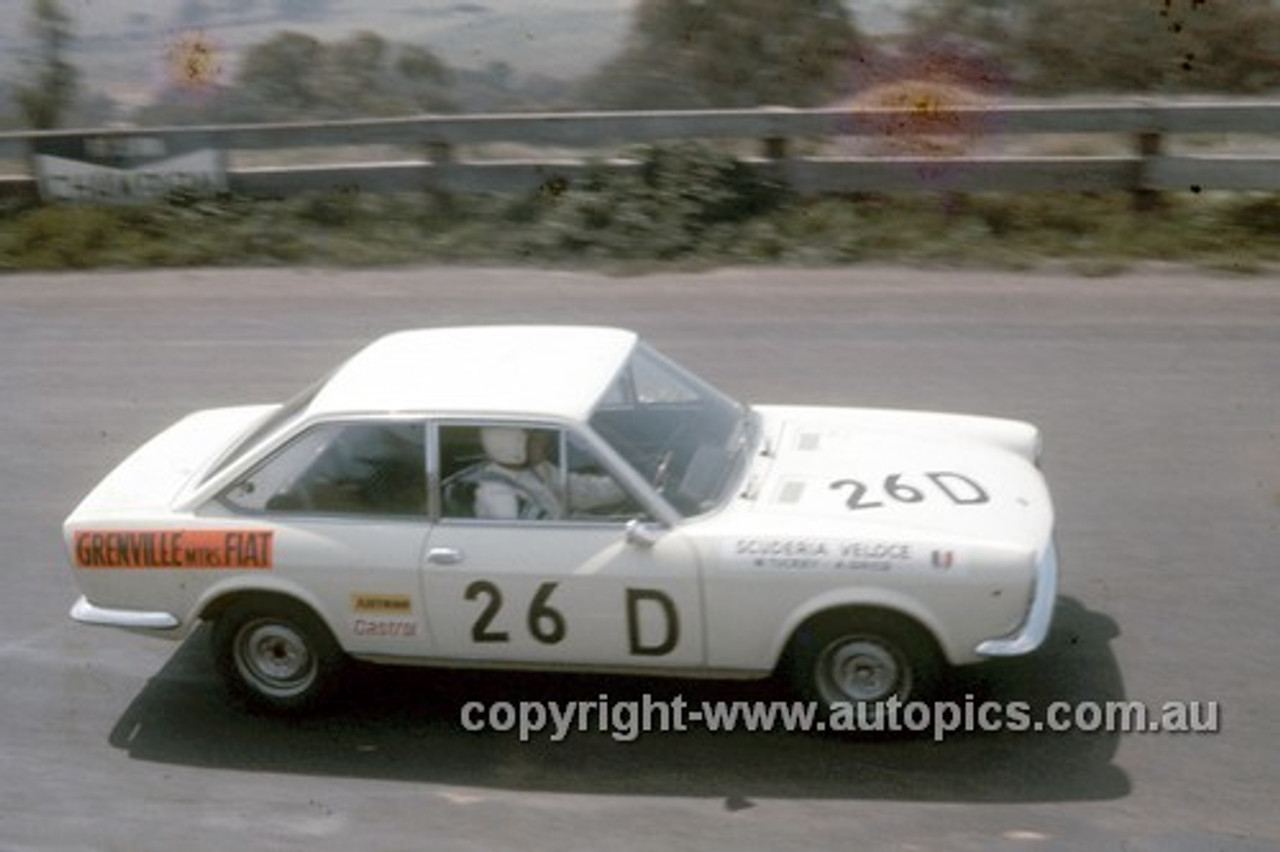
[445, 556]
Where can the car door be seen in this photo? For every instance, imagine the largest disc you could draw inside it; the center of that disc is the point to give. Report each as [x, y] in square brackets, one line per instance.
[549, 587]
[346, 502]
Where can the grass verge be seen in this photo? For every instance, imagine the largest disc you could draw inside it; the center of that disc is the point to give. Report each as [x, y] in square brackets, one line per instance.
[685, 206]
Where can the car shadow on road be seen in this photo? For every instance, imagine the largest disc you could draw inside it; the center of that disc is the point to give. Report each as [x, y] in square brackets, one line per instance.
[404, 724]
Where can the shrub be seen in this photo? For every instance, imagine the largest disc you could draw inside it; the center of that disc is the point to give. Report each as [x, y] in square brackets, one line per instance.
[1259, 216]
[663, 207]
[60, 237]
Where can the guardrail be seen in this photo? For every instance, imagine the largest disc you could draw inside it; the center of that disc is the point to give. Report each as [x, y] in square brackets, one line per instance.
[807, 148]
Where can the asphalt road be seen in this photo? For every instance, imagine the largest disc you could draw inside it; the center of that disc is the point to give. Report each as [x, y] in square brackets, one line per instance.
[1159, 394]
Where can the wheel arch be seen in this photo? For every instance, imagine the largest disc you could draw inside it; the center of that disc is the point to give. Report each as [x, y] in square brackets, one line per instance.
[218, 600]
[823, 610]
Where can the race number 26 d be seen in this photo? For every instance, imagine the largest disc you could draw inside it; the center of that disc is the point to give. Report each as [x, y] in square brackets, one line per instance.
[956, 487]
[652, 619]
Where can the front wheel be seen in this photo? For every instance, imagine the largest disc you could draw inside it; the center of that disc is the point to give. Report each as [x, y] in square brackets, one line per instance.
[864, 660]
[276, 655]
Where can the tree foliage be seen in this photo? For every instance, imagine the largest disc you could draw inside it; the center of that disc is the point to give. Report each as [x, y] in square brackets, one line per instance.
[52, 81]
[295, 76]
[1062, 46]
[730, 53]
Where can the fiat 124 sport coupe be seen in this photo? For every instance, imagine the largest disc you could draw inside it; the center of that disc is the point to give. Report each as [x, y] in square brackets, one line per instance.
[568, 498]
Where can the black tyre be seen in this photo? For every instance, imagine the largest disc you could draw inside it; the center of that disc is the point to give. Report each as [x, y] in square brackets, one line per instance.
[864, 658]
[276, 655]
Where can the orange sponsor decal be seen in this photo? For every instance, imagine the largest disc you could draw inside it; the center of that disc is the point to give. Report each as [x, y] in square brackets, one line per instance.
[381, 603]
[177, 549]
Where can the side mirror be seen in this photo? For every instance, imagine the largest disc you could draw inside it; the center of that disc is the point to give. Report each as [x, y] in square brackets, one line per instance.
[644, 533]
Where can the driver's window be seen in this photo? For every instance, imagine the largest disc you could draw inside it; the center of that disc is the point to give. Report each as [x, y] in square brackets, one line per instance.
[505, 472]
[362, 468]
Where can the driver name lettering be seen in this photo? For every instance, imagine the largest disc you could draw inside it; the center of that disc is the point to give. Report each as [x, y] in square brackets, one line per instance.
[174, 549]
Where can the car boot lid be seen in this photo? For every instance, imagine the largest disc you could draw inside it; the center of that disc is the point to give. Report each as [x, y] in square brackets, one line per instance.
[159, 472]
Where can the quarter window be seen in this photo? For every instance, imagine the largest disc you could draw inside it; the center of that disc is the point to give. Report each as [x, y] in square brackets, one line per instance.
[363, 468]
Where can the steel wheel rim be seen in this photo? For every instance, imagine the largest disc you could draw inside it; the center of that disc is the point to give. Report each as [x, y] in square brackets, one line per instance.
[275, 657]
[860, 670]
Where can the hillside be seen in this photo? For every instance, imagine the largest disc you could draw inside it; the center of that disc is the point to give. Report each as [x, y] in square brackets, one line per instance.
[122, 45]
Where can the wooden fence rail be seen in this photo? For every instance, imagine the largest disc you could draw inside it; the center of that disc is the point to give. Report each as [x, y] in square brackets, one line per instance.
[816, 151]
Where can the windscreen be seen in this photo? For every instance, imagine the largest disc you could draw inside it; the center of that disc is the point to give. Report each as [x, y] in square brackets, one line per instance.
[689, 440]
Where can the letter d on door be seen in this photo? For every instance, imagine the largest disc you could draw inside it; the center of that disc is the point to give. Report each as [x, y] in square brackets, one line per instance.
[642, 641]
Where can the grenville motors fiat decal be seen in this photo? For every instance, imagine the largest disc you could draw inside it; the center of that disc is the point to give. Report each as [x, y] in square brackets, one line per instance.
[174, 549]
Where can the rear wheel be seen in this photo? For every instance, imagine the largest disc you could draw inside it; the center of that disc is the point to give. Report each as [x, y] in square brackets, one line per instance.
[276, 655]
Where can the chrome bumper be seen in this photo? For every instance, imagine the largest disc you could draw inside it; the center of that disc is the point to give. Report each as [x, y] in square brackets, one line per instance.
[1036, 626]
[129, 619]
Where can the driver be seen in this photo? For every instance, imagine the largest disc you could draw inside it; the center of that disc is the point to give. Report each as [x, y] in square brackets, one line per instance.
[519, 480]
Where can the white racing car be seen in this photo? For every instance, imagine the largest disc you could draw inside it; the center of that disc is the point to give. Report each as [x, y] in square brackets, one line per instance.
[568, 498]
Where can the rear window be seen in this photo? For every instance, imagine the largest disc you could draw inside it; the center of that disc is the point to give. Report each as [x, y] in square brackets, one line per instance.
[269, 424]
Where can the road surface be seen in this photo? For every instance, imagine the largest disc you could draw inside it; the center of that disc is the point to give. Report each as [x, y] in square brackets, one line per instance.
[1159, 394]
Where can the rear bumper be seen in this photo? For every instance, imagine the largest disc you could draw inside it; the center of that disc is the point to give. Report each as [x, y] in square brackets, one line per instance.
[1035, 628]
[129, 619]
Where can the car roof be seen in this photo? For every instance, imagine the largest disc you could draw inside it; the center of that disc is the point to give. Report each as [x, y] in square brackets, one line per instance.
[504, 370]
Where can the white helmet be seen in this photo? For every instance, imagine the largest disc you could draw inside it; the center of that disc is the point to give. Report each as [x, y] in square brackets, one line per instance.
[505, 445]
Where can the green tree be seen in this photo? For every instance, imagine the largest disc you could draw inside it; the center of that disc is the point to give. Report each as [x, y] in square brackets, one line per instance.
[51, 81]
[1156, 45]
[423, 78]
[275, 76]
[1061, 46]
[295, 76]
[730, 53]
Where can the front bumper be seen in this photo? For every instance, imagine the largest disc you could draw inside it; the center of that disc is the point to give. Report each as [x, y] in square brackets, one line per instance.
[128, 619]
[1035, 628]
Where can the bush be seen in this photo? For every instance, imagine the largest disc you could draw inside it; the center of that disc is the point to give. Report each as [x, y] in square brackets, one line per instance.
[65, 237]
[1259, 217]
[690, 204]
[662, 208]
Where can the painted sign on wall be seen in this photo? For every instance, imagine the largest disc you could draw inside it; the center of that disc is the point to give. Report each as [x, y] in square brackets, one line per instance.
[126, 169]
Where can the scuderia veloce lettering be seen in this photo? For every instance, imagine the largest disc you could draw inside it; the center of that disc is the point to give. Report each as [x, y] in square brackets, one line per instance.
[799, 554]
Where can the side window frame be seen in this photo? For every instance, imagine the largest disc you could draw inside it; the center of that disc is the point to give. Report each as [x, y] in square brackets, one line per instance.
[422, 514]
[441, 470]
[443, 474]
